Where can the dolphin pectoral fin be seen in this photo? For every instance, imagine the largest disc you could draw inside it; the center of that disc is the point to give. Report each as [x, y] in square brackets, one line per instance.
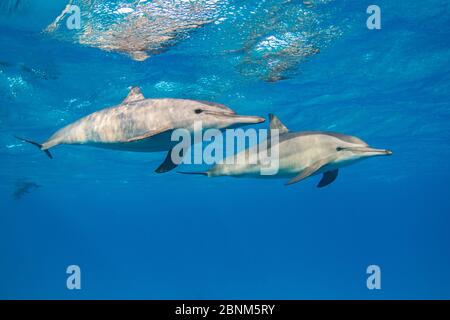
[309, 171]
[146, 135]
[135, 94]
[305, 173]
[167, 164]
[327, 178]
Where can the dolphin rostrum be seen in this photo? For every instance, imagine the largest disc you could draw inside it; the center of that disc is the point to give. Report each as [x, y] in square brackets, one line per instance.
[301, 155]
[144, 125]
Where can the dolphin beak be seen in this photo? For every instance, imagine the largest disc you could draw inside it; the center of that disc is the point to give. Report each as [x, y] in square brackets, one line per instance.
[239, 119]
[247, 119]
[376, 152]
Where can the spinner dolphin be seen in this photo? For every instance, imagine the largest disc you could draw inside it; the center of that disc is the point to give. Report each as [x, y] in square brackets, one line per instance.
[301, 155]
[144, 125]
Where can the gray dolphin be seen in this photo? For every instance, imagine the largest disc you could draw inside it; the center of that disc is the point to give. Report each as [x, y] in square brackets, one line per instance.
[23, 188]
[301, 155]
[138, 28]
[144, 125]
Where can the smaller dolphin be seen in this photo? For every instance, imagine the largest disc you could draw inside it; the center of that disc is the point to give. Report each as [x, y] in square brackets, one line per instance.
[23, 188]
[144, 125]
[301, 155]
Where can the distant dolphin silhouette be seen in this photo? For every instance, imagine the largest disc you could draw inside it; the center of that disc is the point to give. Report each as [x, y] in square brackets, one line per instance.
[10, 6]
[301, 155]
[24, 188]
[144, 125]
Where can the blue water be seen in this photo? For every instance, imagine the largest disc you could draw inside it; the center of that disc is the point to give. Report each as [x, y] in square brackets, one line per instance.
[137, 234]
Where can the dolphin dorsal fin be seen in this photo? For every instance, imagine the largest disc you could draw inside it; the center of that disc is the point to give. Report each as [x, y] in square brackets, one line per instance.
[135, 94]
[275, 123]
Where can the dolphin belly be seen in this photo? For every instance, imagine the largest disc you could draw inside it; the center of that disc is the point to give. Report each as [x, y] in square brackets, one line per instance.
[288, 162]
[157, 143]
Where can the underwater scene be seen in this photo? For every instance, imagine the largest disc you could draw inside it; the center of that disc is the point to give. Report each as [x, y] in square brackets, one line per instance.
[348, 102]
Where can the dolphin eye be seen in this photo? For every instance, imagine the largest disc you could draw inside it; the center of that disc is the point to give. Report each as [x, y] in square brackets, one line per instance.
[340, 149]
[197, 111]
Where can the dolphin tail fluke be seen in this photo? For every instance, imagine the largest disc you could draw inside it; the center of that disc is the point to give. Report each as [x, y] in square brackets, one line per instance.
[197, 173]
[37, 145]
